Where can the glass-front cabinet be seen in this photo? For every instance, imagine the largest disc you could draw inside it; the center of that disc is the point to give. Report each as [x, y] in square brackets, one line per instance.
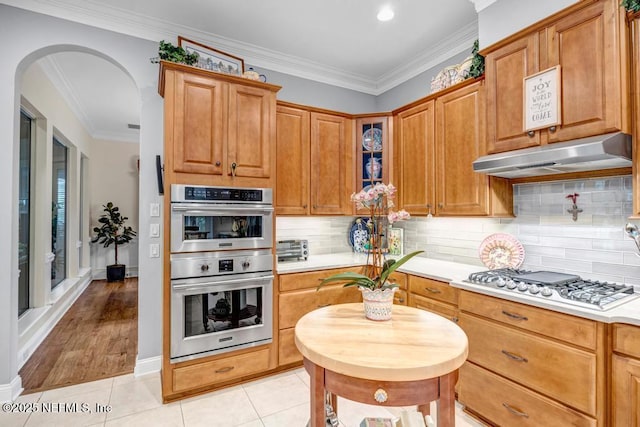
[373, 152]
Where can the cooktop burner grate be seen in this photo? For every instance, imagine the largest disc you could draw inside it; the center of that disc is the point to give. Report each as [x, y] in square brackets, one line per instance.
[560, 287]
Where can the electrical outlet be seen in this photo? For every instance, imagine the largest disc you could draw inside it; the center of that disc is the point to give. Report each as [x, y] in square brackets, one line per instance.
[154, 250]
[154, 230]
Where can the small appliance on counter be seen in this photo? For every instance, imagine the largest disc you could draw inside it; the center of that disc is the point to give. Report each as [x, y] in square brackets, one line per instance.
[292, 250]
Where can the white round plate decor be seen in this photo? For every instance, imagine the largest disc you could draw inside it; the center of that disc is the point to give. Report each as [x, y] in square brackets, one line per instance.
[501, 250]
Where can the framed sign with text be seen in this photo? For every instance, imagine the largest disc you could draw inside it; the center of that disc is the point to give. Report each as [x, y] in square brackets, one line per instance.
[542, 99]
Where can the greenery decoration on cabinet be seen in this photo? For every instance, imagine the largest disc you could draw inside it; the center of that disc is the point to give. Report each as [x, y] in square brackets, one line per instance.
[631, 5]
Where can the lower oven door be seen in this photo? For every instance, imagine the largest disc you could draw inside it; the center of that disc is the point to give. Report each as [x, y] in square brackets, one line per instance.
[211, 315]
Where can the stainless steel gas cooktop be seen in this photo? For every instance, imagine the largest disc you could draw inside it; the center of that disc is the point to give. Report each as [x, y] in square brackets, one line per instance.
[559, 287]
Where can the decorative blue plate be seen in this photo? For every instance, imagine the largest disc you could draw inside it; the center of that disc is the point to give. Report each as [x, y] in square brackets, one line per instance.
[372, 139]
[359, 234]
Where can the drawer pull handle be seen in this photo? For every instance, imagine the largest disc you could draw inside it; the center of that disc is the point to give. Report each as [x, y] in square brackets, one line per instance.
[223, 370]
[514, 356]
[514, 316]
[433, 290]
[323, 305]
[400, 300]
[515, 411]
[455, 319]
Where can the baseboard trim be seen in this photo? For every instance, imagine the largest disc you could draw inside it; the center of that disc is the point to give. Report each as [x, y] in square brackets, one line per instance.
[10, 392]
[146, 366]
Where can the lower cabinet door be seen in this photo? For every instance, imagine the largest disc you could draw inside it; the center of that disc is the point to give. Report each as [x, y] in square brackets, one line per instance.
[287, 349]
[507, 404]
[625, 402]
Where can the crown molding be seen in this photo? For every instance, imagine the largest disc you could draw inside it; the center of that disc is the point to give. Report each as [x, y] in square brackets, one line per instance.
[90, 12]
[482, 4]
[51, 69]
[132, 136]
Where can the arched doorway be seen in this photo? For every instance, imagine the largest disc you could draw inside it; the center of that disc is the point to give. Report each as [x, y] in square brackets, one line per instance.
[83, 156]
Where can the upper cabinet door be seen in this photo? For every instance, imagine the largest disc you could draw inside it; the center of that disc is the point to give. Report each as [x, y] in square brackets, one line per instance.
[251, 130]
[196, 115]
[505, 70]
[292, 161]
[373, 156]
[415, 133]
[331, 164]
[586, 46]
[460, 139]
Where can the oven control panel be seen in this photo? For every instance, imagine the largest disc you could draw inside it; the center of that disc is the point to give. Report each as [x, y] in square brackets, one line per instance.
[205, 264]
[206, 194]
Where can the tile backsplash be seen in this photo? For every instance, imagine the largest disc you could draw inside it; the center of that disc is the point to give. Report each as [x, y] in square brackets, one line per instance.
[595, 246]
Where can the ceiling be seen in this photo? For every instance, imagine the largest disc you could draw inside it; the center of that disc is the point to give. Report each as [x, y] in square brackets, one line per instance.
[339, 42]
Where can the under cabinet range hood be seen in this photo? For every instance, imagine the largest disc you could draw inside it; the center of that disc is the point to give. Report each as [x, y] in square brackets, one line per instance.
[612, 150]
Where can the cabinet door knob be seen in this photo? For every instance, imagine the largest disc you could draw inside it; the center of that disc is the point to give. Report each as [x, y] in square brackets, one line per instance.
[218, 163]
[531, 133]
[304, 206]
[234, 165]
[441, 205]
[552, 129]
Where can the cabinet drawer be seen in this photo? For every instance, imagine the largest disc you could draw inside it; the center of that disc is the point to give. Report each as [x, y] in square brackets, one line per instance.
[626, 339]
[565, 373]
[400, 297]
[576, 330]
[216, 371]
[399, 279]
[443, 309]
[308, 280]
[287, 350]
[508, 404]
[433, 289]
[294, 305]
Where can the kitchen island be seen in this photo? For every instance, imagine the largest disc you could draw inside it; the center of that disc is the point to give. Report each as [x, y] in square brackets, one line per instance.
[412, 359]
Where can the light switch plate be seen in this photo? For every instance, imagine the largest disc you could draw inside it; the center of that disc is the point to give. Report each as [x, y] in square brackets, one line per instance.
[154, 230]
[154, 250]
[155, 209]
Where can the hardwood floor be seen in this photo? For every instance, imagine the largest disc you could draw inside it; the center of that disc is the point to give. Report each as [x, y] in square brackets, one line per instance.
[97, 338]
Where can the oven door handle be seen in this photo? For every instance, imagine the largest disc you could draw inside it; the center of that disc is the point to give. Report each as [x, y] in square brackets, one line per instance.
[198, 207]
[188, 287]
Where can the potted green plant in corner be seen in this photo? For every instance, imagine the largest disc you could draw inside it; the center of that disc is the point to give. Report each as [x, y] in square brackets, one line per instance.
[112, 231]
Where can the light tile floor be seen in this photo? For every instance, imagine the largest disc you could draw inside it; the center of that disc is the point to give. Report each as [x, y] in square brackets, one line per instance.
[278, 401]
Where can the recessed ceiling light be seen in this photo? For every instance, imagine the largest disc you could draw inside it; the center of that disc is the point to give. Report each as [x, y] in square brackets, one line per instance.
[385, 14]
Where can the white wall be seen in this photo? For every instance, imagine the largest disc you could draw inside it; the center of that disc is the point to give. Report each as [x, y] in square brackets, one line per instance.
[34, 36]
[114, 178]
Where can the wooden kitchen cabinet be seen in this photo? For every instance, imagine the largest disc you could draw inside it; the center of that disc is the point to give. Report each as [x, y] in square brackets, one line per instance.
[531, 361]
[460, 139]
[434, 296]
[588, 41]
[635, 94]
[373, 153]
[415, 133]
[298, 296]
[292, 161]
[437, 142]
[625, 398]
[314, 173]
[219, 129]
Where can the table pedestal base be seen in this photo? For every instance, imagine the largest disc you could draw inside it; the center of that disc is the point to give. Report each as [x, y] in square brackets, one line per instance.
[388, 393]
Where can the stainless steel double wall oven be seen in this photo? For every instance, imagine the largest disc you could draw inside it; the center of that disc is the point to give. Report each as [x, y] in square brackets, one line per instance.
[221, 269]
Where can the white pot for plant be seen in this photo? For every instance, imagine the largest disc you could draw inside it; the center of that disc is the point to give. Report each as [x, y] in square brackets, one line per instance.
[377, 303]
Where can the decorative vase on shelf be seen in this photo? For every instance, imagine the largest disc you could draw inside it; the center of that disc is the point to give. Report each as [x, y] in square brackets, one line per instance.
[373, 167]
[378, 303]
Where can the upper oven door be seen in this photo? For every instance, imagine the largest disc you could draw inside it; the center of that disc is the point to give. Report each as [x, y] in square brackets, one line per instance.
[205, 227]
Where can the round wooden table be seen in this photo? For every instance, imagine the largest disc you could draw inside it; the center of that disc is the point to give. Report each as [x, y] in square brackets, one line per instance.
[412, 359]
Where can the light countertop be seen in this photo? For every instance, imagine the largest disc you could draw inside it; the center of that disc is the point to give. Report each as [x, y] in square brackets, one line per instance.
[455, 273]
